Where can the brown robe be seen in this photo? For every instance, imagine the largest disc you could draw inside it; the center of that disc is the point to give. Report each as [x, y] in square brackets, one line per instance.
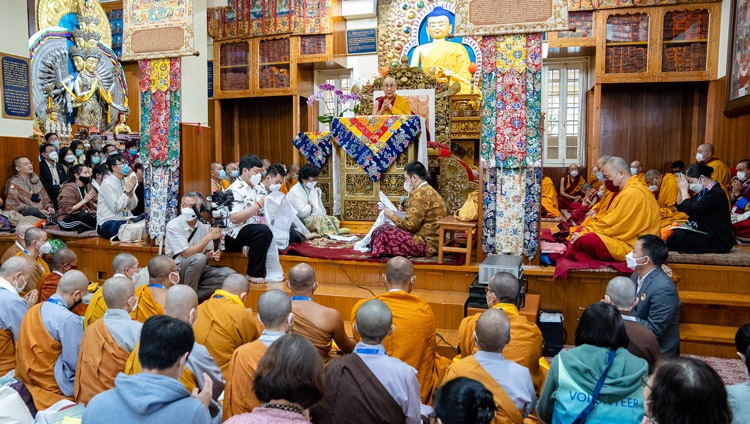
[7, 352]
[319, 338]
[239, 396]
[102, 361]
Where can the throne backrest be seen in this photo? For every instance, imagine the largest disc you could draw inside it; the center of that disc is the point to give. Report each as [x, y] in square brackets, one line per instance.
[421, 102]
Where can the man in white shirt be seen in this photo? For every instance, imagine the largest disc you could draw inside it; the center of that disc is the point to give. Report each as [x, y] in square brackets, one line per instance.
[116, 198]
[191, 243]
[279, 213]
[246, 233]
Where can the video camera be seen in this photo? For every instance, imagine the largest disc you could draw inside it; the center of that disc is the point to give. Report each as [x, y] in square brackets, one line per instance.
[220, 203]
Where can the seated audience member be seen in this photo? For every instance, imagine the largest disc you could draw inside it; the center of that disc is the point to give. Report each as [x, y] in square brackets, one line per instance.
[594, 178]
[288, 382]
[720, 171]
[306, 199]
[67, 159]
[116, 197]
[98, 173]
[633, 212]
[665, 186]
[124, 265]
[130, 154]
[321, 325]
[570, 187]
[739, 394]
[246, 233]
[48, 343]
[218, 178]
[51, 172]
[606, 196]
[636, 170]
[163, 274]
[292, 177]
[686, 390]
[93, 158]
[76, 147]
[658, 307]
[155, 395]
[25, 193]
[107, 343]
[549, 199]
[96, 142]
[707, 213]
[601, 342]
[109, 150]
[741, 188]
[224, 323]
[200, 369]
[463, 400]
[266, 163]
[391, 103]
[20, 243]
[413, 337]
[36, 247]
[139, 194]
[416, 234]
[275, 313]
[643, 343]
[53, 139]
[233, 172]
[677, 167]
[525, 346]
[281, 215]
[62, 261]
[395, 400]
[509, 382]
[13, 308]
[580, 210]
[77, 201]
[191, 243]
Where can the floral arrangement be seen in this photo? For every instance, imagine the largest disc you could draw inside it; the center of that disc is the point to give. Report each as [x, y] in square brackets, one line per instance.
[336, 104]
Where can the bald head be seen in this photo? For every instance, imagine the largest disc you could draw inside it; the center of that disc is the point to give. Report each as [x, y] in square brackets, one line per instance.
[71, 282]
[493, 330]
[621, 292]
[236, 284]
[14, 265]
[602, 160]
[116, 292]
[389, 80]
[617, 164]
[159, 267]
[707, 149]
[398, 273]
[64, 258]
[35, 234]
[21, 231]
[374, 321]
[652, 174]
[301, 277]
[636, 164]
[122, 261]
[505, 287]
[181, 301]
[274, 307]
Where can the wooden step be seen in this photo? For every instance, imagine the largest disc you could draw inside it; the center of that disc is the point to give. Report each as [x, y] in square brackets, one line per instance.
[712, 298]
[703, 333]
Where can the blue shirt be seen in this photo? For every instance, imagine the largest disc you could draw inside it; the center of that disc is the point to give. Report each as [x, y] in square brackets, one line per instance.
[67, 328]
[513, 378]
[12, 310]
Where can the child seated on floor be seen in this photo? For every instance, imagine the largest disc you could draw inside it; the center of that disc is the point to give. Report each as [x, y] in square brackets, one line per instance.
[591, 197]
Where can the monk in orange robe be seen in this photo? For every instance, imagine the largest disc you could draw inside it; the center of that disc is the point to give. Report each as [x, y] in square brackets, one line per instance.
[633, 212]
[19, 244]
[636, 170]
[224, 324]
[570, 187]
[549, 199]
[108, 342]
[163, 274]
[525, 347]
[62, 261]
[275, 313]
[13, 308]
[413, 338]
[49, 341]
[317, 323]
[36, 247]
[721, 174]
[124, 265]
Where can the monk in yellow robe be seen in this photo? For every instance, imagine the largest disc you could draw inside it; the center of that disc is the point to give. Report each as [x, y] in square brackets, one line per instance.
[13, 308]
[721, 172]
[509, 382]
[594, 178]
[163, 274]
[525, 347]
[124, 265]
[634, 212]
[49, 342]
[36, 247]
[666, 187]
[275, 313]
[413, 338]
[636, 171]
[549, 199]
[571, 186]
[108, 342]
[391, 103]
[317, 323]
[224, 324]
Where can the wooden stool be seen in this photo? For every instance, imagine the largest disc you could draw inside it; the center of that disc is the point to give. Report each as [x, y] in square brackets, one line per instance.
[451, 225]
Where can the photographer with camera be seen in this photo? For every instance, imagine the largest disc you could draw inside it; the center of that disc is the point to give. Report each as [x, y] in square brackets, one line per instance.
[246, 233]
[191, 242]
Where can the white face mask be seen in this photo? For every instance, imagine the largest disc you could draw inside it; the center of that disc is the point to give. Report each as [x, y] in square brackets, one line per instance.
[134, 306]
[653, 188]
[188, 213]
[699, 157]
[741, 176]
[632, 261]
[45, 248]
[20, 289]
[136, 277]
[573, 174]
[696, 187]
[53, 156]
[311, 184]
[633, 171]
[177, 277]
[70, 158]
[255, 179]
[274, 187]
[407, 186]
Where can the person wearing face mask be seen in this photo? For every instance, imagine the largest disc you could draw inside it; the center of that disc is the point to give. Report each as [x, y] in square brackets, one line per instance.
[162, 274]
[98, 174]
[218, 178]
[130, 154]
[190, 243]
[636, 171]
[200, 370]
[93, 158]
[709, 225]
[658, 306]
[306, 200]
[599, 210]
[62, 261]
[116, 197]
[79, 153]
[677, 167]
[233, 172]
[53, 139]
[721, 174]
[594, 178]
[246, 234]
[107, 344]
[51, 172]
[13, 276]
[740, 198]
[291, 179]
[19, 243]
[77, 201]
[36, 246]
[633, 212]
[124, 265]
[664, 186]
[96, 143]
[49, 342]
[570, 188]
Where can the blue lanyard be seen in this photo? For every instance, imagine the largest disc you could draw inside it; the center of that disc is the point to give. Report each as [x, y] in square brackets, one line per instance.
[156, 286]
[58, 302]
[301, 298]
[218, 296]
[368, 351]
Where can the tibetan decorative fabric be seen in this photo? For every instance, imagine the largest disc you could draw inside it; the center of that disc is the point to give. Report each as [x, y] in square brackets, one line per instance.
[532, 205]
[375, 142]
[489, 206]
[315, 147]
[489, 114]
[255, 18]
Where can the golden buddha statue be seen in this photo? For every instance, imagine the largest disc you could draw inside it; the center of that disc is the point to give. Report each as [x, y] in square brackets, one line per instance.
[122, 127]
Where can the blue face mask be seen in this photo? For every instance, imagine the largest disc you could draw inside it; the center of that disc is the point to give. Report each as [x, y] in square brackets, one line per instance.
[125, 169]
[56, 144]
[79, 153]
[222, 174]
[133, 152]
[600, 176]
[234, 174]
[96, 160]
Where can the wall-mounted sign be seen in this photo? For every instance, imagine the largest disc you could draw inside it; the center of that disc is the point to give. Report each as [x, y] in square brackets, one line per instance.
[15, 86]
[210, 79]
[361, 41]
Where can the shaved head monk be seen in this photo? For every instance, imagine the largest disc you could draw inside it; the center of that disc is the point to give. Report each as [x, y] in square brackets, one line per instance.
[47, 349]
[721, 174]
[525, 346]
[275, 313]
[395, 400]
[13, 308]
[108, 342]
[224, 323]
[633, 212]
[163, 274]
[571, 187]
[124, 265]
[413, 338]
[62, 261]
[319, 324]
[636, 170]
[20, 243]
[665, 187]
[200, 369]
[36, 247]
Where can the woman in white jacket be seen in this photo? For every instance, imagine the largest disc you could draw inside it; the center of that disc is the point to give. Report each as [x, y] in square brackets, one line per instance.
[306, 199]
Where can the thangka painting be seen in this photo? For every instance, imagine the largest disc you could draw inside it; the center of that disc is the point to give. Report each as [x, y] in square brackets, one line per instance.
[257, 18]
[499, 17]
[579, 5]
[157, 29]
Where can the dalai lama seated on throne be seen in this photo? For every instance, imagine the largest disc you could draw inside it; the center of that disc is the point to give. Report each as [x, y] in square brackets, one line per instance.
[391, 103]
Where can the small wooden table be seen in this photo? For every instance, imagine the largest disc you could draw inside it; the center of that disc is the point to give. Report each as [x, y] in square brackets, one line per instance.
[451, 225]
